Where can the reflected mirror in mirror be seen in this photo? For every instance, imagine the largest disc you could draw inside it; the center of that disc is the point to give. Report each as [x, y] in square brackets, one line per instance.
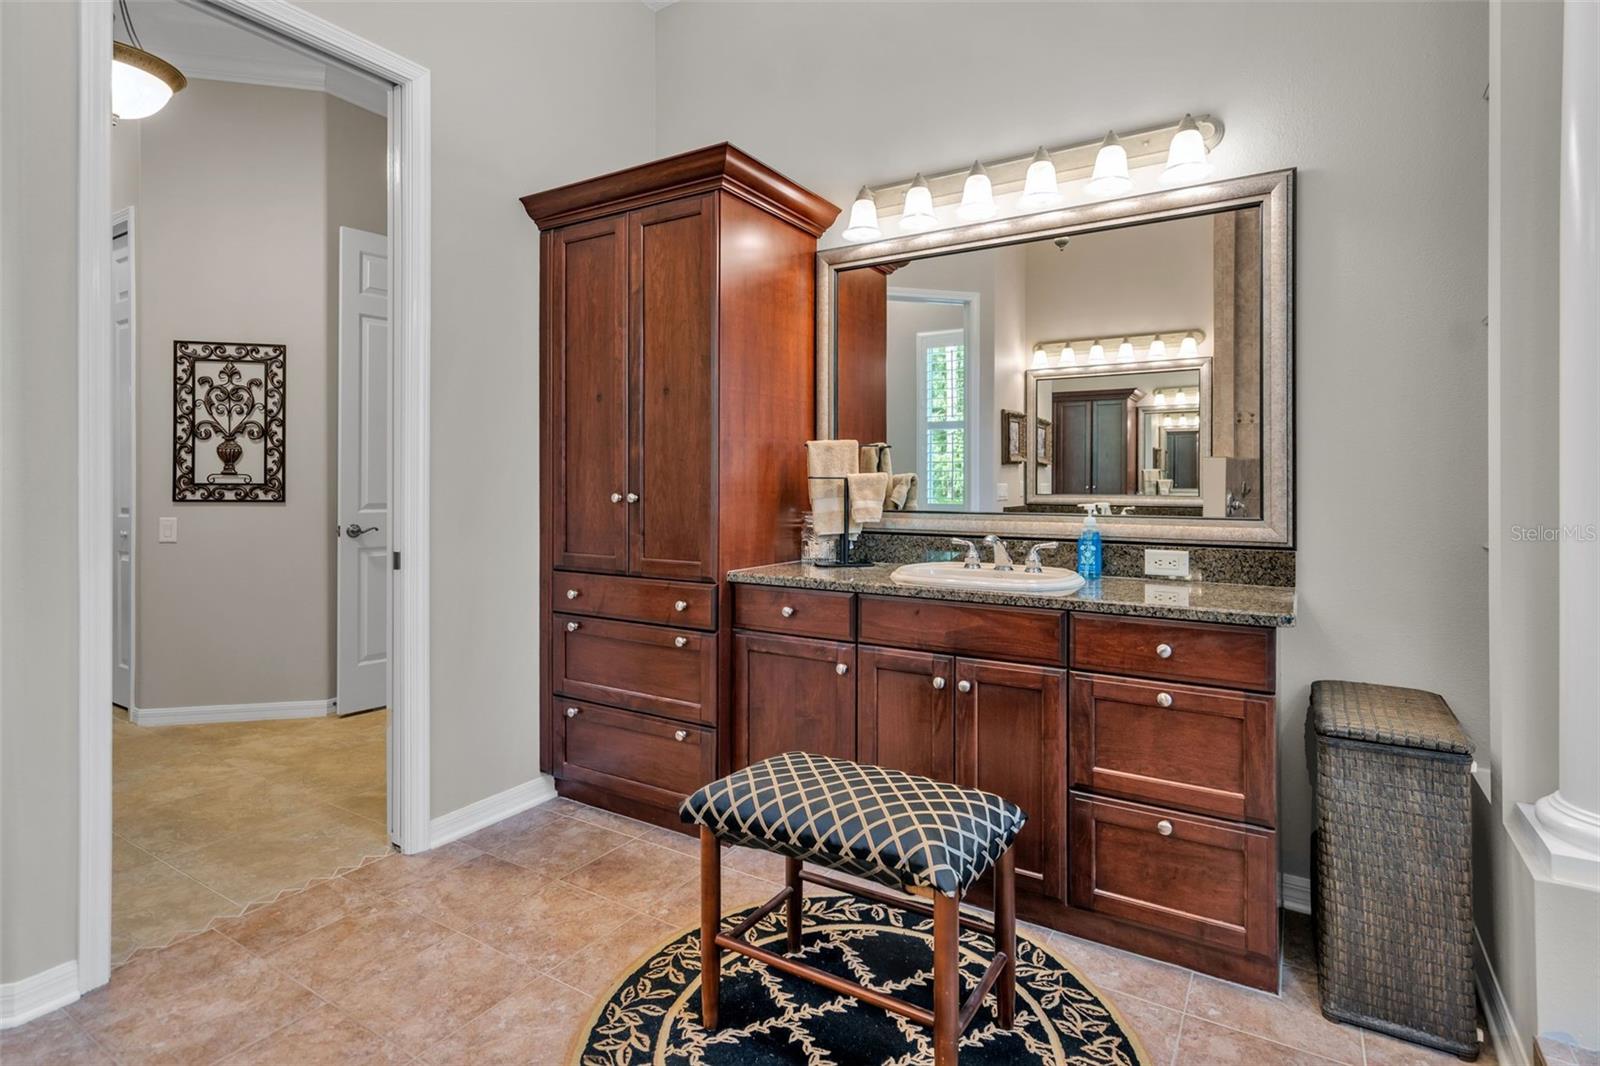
[1121, 365]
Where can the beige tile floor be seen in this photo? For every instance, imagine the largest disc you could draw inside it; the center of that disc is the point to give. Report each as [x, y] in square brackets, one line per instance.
[494, 949]
[207, 819]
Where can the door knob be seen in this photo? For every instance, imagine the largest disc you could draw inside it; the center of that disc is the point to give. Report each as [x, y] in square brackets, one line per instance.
[354, 530]
[1164, 651]
[616, 497]
[681, 735]
[572, 712]
[572, 627]
[1164, 699]
[842, 669]
[679, 642]
[938, 682]
[1164, 827]
[963, 686]
[632, 497]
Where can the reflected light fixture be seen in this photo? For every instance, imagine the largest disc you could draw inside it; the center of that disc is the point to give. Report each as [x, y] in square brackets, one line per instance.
[863, 224]
[1188, 349]
[1160, 398]
[1166, 423]
[1039, 188]
[1186, 157]
[1068, 356]
[1097, 352]
[1158, 349]
[1181, 398]
[977, 196]
[1110, 177]
[917, 214]
[1125, 351]
[141, 83]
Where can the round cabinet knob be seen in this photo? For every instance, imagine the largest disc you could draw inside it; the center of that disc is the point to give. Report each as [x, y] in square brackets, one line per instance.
[572, 712]
[787, 612]
[963, 686]
[842, 669]
[616, 497]
[632, 497]
[1164, 699]
[572, 627]
[938, 682]
[681, 605]
[679, 642]
[572, 594]
[1164, 827]
[1163, 651]
[681, 735]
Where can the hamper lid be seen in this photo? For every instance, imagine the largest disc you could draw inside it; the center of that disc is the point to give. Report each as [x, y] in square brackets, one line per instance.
[1384, 714]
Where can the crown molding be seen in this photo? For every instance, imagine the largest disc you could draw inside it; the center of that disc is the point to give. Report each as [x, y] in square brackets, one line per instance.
[350, 88]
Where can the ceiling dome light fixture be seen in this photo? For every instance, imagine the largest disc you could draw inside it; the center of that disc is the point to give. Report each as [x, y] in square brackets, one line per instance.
[917, 214]
[1187, 160]
[977, 196]
[141, 83]
[863, 225]
[1040, 188]
[1110, 177]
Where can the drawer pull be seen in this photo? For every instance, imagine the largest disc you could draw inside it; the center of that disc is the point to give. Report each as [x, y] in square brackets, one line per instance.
[679, 642]
[616, 497]
[787, 612]
[572, 594]
[680, 605]
[681, 735]
[938, 682]
[842, 669]
[963, 686]
[1164, 827]
[632, 497]
[572, 712]
[572, 627]
[1164, 699]
[1163, 651]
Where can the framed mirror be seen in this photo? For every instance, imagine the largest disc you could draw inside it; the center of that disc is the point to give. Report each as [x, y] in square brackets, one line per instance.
[1133, 352]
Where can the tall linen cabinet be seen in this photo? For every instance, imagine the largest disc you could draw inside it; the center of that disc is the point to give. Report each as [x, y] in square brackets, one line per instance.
[677, 309]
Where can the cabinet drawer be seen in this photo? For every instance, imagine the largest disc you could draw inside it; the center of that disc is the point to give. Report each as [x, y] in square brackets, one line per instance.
[797, 612]
[1236, 656]
[635, 599]
[1017, 634]
[643, 668]
[1205, 750]
[1210, 881]
[637, 755]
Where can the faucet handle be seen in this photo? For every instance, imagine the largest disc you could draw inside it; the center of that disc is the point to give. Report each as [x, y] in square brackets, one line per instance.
[1034, 566]
[973, 561]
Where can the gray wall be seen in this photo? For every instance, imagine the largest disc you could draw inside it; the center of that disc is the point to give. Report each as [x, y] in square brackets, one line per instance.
[1378, 105]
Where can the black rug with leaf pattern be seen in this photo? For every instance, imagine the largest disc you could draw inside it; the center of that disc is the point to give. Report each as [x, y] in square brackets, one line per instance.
[772, 1019]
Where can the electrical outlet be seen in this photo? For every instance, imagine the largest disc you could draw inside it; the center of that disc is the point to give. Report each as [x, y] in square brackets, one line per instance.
[1166, 595]
[167, 530]
[1160, 562]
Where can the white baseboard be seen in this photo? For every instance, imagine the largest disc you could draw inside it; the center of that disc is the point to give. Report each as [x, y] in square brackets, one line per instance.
[1294, 893]
[24, 1000]
[489, 810]
[1508, 1046]
[230, 712]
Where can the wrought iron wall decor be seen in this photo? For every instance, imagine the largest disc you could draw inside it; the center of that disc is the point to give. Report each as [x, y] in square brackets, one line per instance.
[228, 412]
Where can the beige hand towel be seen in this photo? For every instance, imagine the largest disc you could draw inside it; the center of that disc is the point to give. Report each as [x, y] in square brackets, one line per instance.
[829, 458]
[869, 459]
[902, 488]
[866, 499]
[885, 463]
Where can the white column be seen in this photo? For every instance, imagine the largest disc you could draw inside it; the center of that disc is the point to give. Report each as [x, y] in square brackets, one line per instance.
[1571, 814]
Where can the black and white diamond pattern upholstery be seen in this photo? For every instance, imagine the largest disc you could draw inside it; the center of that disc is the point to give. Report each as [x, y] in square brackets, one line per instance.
[891, 827]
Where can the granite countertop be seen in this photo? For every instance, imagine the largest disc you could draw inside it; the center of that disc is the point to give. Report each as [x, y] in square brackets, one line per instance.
[1189, 601]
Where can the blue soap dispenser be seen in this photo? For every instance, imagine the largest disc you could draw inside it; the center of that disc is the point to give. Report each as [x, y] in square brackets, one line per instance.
[1089, 553]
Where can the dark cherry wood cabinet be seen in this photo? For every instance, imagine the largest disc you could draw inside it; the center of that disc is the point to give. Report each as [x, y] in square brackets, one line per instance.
[792, 694]
[677, 307]
[906, 712]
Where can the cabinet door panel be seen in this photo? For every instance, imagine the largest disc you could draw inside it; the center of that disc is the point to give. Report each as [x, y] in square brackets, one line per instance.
[587, 325]
[673, 273]
[1011, 740]
[905, 714]
[790, 695]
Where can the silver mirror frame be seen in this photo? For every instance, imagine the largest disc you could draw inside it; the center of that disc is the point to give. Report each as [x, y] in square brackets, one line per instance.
[1273, 192]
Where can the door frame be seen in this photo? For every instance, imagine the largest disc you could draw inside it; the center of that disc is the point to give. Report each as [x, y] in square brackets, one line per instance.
[126, 217]
[409, 182]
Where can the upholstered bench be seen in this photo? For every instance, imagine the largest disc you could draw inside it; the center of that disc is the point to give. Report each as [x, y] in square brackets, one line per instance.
[923, 837]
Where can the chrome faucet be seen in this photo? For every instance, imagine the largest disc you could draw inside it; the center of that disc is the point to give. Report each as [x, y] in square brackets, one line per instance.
[973, 562]
[1034, 566]
[1002, 558]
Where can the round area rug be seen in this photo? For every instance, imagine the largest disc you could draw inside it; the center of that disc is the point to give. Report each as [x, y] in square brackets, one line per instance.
[771, 1019]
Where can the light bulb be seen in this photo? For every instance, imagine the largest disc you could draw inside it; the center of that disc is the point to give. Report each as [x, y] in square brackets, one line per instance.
[977, 196]
[1039, 188]
[1068, 356]
[1186, 157]
[863, 224]
[1097, 353]
[1125, 351]
[1188, 349]
[1110, 177]
[1158, 349]
[917, 214]
[1039, 359]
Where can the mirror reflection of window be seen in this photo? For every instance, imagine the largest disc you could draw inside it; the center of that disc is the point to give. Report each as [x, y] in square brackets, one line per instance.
[943, 359]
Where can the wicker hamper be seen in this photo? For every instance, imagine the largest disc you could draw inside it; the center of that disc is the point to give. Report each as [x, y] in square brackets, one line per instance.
[1393, 863]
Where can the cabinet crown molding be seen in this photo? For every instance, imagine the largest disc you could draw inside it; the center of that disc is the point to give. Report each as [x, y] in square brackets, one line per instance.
[718, 166]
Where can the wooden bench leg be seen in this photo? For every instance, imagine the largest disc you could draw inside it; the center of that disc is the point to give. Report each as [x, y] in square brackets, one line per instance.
[946, 979]
[1005, 938]
[794, 908]
[710, 925]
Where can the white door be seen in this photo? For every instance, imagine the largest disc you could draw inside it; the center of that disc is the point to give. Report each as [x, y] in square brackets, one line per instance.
[122, 476]
[364, 562]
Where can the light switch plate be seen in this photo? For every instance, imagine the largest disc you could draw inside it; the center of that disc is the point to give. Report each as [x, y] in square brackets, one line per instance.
[1002, 490]
[1165, 562]
[167, 530]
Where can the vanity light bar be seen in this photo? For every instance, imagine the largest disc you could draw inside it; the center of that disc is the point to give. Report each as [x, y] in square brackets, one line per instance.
[1174, 342]
[1145, 147]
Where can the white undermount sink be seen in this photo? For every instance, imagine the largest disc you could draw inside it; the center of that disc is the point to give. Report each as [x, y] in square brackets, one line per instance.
[1051, 581]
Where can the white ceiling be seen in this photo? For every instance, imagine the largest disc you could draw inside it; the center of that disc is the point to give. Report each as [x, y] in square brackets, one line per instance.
[207, 45]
